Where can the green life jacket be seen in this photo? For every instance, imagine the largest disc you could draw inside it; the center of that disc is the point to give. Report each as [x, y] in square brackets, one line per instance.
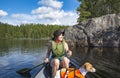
[58, 50]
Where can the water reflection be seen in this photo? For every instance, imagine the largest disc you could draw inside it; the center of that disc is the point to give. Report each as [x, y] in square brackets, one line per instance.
[106, 61]
[17, 54]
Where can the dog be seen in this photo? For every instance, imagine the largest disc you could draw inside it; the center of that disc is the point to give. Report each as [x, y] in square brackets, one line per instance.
[75, 73]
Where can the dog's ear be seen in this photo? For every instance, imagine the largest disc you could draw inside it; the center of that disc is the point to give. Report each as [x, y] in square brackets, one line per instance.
[86, 64]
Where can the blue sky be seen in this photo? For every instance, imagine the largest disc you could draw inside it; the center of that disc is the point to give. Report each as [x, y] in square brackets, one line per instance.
[62, 12]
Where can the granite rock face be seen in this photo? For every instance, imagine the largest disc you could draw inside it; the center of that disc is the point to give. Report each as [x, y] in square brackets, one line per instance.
[96, 32]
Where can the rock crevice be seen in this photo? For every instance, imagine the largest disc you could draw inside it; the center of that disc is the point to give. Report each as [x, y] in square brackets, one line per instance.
[100, 32]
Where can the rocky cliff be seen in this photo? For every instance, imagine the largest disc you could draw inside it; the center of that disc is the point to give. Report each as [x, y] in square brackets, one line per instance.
[96, 32]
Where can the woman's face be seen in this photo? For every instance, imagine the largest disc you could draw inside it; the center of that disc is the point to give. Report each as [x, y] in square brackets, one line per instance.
[60, 37]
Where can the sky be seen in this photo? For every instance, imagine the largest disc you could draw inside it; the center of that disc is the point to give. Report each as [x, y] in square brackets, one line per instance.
[60, 12]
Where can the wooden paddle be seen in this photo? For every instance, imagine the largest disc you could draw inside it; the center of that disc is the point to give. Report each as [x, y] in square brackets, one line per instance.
[26, 71]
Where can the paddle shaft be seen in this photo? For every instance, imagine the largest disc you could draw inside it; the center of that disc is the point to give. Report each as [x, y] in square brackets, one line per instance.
[27, 70]
[36, 66]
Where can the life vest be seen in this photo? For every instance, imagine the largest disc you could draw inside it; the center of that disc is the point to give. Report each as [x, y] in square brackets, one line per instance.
[58, 50]
[71, 73]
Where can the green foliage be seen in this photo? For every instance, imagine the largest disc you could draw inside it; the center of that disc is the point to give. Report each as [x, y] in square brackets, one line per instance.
[84, 14]
[35, 31]
[97, 8]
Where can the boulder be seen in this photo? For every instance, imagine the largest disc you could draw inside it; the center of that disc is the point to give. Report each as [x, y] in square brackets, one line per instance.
[96, 32]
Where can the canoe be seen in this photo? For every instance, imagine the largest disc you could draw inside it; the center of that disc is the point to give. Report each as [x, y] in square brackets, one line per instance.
[46, 71]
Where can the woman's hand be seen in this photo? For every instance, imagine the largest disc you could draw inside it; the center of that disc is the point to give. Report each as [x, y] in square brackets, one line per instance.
[69, 53]
[46, 60]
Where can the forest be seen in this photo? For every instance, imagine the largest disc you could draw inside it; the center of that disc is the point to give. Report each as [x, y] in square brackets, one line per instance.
[34, 31]
[96, 8]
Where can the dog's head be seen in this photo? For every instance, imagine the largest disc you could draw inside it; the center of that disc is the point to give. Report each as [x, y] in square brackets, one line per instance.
[88, 67]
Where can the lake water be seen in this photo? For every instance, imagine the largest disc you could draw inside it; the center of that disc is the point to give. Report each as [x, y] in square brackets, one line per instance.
[16, 54]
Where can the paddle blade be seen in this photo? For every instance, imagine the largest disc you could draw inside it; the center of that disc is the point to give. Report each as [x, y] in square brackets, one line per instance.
[23, 71]
[26, 71]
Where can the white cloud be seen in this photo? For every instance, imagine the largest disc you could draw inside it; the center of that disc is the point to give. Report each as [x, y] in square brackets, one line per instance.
[56, 22]
[51, 3]
[50, 9]
[3, 13]
[52, 15]
[42, 10]
[69, 19]
[49, 12]
[24, 16]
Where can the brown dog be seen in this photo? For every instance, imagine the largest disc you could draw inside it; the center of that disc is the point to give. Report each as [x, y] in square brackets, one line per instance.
[73, 73]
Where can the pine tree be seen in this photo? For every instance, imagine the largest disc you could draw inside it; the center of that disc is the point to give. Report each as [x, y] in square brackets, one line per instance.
[97, 8]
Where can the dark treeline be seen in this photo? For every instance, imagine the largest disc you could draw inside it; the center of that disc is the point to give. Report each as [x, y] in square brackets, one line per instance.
[97, 8]
[36, 31]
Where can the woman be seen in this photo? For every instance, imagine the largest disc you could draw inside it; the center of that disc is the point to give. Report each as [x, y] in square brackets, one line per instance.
[60, 52]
